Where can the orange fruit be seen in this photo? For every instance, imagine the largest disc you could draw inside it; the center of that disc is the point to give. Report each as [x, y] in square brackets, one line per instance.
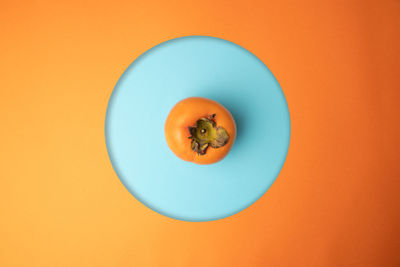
[200, 130]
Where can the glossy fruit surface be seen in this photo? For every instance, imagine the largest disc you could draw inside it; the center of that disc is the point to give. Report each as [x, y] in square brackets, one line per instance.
[200, 130]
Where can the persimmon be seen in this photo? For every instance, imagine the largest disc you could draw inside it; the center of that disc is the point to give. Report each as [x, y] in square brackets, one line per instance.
[200, 130]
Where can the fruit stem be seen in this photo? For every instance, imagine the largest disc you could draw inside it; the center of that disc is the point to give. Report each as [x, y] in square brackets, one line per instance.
[205, 133]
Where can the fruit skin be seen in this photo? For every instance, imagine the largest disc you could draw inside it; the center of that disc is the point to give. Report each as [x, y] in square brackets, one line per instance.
[184, 114]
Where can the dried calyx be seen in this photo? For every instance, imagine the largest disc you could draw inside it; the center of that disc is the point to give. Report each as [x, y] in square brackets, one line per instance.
[206, 133]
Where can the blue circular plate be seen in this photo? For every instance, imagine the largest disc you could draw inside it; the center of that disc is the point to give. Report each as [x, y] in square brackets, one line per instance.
[206, 67]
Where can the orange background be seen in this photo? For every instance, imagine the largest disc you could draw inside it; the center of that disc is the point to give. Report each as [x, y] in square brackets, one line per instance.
[335, 203]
